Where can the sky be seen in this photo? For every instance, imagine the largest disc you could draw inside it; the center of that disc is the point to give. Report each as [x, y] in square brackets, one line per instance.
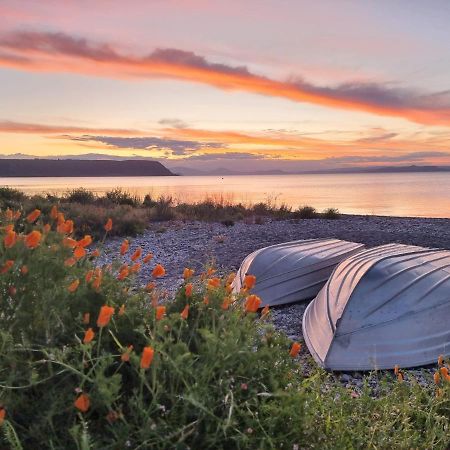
[257, 85]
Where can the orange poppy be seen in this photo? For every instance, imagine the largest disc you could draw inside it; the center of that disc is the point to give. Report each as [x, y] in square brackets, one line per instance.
[150, 286]
[444, 373]
[436, 377]
[82, 402]
[135, 268]
[89, 275]
[86, 318]
[8, 214]
[206, 300]
[88, 336]
[265, 311]
[188, 273]
[124, 247]
[441, 360]
[60, 218]
[231, 278]
[137, 254]
[158, 271]
[400, 377]
[96, 283]
[213, 283]
[252, 303]
[125, 357]
[33, 239]
[95, 253]
[54, 212]
[226, 303]
[69, 242]
[79, 253]
[185, 313]
[69, 262]
[123, 273]
[65, 227]
[147, 258]
[121, 310]
[295, 349]
[147, 357]
[10, 239]
[108, 225]
[33, 216]
[24, 270]
[8, 264]
[47, 228]
[160, 312]
[249, 281]
[105, 315]
[188, 290]
[73, 286]
[17, 214]
[2, 415]
[85, 242]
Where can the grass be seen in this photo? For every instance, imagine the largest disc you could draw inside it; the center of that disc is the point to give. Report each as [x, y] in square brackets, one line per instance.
[206, 372]
[132, 214]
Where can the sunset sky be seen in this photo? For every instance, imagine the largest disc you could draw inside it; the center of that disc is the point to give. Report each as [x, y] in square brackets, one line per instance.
[246, 85]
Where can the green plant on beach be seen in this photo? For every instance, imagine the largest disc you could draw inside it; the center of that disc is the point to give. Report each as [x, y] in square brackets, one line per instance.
[89, 361]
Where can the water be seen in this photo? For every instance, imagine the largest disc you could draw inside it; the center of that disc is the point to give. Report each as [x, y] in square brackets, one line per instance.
[396, 194]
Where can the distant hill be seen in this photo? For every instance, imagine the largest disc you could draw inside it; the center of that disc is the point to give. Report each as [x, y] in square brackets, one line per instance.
[80, 168]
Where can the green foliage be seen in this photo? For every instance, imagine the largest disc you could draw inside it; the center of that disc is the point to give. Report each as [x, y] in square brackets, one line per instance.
[10, 197]
[80, 195]
[118, 196]
[306, 212]
[331, 214]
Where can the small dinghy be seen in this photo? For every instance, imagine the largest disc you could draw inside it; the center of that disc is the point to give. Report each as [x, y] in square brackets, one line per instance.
[293, 271]
[383, 307]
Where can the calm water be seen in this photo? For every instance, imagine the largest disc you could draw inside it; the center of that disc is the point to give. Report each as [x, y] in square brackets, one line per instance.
[408, 194]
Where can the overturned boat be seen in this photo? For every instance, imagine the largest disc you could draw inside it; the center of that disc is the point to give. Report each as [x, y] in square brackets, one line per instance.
[293, 271]
[385, 306]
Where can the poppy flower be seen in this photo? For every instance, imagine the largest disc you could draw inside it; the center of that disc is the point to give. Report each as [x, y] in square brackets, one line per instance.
[79, 253]
[96, 283]
[265, 311]
[436, 377]
[85, 242]
[188, 273]
[24, 270]
[89, 275]
[86, 318]
[147, 357]
[135, 268]
[82, 402]
[185, 313]
[123, 273]
[150, 286]
[33, 239]
[2, 415]
[54, 212]
[226, 303]
[95, 253]
[8, 264]
[60, 219]
[158, 271]
[33, 216]
[65, 227]
[396, 369]
[88, 336]
[160, 312]
[213, 283]
[188, 290]
[206, 300]
[108, 225]
[441, 360]
[69, 262]
[231, 278]
[137, 254]
[147, 258]
[252, 303]
[69, 242]
[125, 357]
[121, 310]
[105, 315]
[295, 349]
[444, 373]
[124, 247]
[10, 239]
[9, 214]
[47, 228]
[249, 281]
[400, 377]
[73, 286]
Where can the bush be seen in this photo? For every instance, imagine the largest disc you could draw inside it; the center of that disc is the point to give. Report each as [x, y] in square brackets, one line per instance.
[306, 212]
[331, 213]
[163, 210]
[120, 197]
[80, 195]
[212, 375]
[10, 197]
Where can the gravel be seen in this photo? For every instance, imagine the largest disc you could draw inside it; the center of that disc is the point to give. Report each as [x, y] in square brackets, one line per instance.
[192, 244]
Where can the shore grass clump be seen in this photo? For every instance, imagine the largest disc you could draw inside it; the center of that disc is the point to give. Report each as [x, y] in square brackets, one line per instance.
[119, 196]
[331, 214]
[88, 360]
[306, 212]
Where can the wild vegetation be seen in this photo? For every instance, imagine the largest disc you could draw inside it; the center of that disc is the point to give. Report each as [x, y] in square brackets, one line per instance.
[131, 214]
[88, 361]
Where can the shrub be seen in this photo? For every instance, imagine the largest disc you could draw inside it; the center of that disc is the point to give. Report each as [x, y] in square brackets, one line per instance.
[120, 197]
[306, 212]
[10, 197]
[331, 213]
[80, 195]
[163, 210]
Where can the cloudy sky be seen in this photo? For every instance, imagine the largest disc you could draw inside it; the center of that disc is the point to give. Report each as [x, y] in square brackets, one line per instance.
[260, 84]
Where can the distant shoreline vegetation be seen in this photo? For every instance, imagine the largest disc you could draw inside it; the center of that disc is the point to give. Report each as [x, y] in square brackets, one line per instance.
[133, 214]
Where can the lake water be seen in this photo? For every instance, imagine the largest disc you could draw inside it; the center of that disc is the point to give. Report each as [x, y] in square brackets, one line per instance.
[399, 194]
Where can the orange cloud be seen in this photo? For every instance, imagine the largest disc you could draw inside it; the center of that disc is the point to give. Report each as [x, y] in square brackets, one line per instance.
[58, 52]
